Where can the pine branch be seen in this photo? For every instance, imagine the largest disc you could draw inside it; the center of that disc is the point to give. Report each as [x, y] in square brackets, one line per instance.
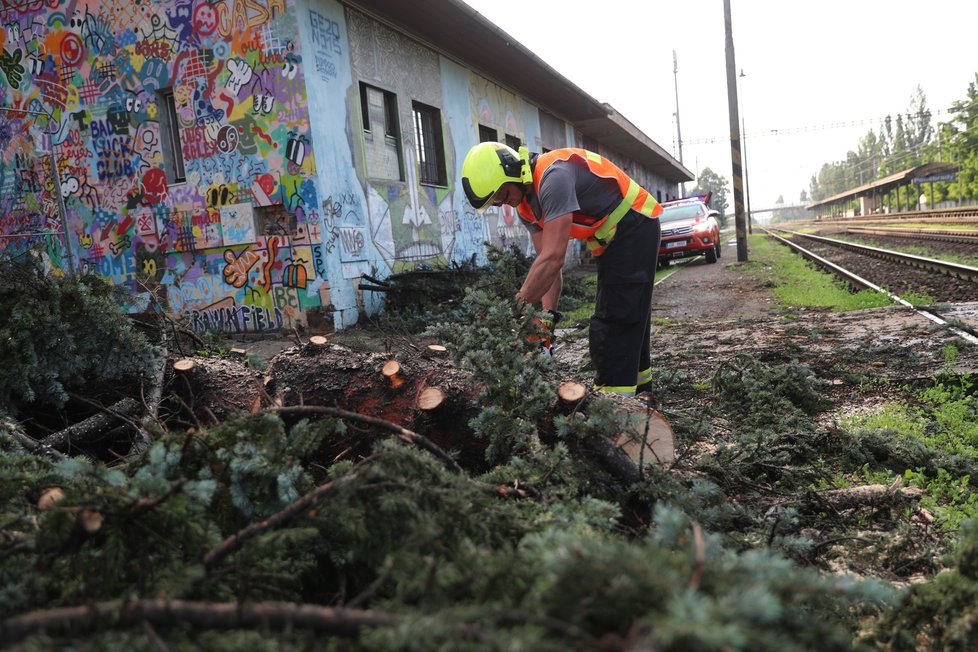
[403, 433]
[291, 511]
[411, 437]
[209, 615]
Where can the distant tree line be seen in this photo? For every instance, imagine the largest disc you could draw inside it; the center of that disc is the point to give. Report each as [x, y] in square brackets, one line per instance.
[908, 140]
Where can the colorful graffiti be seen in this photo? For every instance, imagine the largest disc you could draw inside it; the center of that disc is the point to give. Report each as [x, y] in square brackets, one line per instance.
[178, 128]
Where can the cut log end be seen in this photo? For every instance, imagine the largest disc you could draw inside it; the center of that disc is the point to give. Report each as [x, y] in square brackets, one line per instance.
[317, 340]
[571, 391]
[437, 349]
[392, 372]
[649, 438]
[90, 520]
[49, 497]
[184, 365]
[430, 398]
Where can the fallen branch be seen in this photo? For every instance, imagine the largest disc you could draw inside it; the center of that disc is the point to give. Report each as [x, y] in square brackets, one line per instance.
[210, 615]
[92, 426]
[873, 495]
[403, 433]
[281, 517]
[34, 446]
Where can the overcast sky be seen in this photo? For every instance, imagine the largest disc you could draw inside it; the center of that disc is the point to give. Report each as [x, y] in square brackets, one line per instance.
[818, 75]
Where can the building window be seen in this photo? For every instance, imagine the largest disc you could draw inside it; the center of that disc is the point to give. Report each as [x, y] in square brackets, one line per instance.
[381, 133]
[488, 134]
[170, 137]
[430, 146]
[378, 105]
[513, 141]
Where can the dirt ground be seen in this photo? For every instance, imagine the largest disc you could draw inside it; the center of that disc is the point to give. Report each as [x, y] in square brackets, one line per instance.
[715, 312]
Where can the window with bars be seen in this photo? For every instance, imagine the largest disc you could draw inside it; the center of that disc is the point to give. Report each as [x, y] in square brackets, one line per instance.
[488, 134]
[173, 164]
[513, 141]
[429, 146]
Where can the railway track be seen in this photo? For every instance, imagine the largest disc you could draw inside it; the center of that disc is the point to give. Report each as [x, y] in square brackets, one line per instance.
[957, 236]
[939, 284]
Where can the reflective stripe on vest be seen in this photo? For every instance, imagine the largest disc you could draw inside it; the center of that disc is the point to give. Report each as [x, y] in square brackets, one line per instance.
[596, 233]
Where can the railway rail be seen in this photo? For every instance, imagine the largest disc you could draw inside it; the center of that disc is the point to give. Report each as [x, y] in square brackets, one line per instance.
[895, 274]
[957, 236]
[962, 214]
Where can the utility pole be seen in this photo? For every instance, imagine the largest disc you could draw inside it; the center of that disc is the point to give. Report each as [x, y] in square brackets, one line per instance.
[679, 132]
[743, 136]
[735, 159]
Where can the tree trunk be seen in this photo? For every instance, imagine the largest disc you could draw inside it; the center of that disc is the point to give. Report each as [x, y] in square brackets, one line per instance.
[421, 391]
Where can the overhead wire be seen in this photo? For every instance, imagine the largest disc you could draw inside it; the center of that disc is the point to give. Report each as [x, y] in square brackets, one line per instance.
[828, 126]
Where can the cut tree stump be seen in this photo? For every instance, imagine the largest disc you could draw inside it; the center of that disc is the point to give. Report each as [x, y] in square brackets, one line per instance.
[392, 372]
[184, 365]
[571, 391]
[211, 389]
[318, 340]
[430, 398]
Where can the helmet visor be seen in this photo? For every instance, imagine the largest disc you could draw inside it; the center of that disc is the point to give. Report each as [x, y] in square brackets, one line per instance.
[498, 199]
[479, 202]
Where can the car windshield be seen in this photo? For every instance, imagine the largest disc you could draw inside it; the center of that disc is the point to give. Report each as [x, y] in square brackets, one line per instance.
[672, 213]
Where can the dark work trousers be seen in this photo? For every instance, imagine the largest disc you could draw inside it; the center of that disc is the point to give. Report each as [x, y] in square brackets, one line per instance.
[621, 327]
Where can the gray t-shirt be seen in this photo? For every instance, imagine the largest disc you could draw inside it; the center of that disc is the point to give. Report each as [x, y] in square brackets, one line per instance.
[570, 187]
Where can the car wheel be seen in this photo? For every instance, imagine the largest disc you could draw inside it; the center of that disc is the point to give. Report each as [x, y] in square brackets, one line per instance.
[711, 255]
[718, 248]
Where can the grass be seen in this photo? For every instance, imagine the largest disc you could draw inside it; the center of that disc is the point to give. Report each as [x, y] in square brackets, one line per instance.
[942, 416]
[796, 283]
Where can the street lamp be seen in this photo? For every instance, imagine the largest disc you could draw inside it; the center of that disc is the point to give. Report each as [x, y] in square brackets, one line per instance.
[743, 144]
[679, 133]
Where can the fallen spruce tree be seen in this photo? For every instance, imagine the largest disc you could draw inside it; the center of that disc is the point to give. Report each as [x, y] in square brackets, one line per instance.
[321, 503]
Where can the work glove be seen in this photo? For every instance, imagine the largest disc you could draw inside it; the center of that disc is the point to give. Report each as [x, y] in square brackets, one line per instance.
[545, 333]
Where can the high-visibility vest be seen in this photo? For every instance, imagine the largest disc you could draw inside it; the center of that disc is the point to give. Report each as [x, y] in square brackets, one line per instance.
[596, 232]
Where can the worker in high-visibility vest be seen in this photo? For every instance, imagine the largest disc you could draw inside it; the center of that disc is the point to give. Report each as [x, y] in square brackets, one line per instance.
[576, 194]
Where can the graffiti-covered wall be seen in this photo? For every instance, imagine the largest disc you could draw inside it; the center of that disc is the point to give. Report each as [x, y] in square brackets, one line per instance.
[244, 163]
[184, 155]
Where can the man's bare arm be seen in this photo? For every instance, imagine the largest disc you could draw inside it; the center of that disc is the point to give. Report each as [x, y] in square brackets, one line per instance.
[544, 281]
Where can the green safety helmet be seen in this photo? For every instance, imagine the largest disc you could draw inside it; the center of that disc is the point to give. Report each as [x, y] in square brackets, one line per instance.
[488, 166]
